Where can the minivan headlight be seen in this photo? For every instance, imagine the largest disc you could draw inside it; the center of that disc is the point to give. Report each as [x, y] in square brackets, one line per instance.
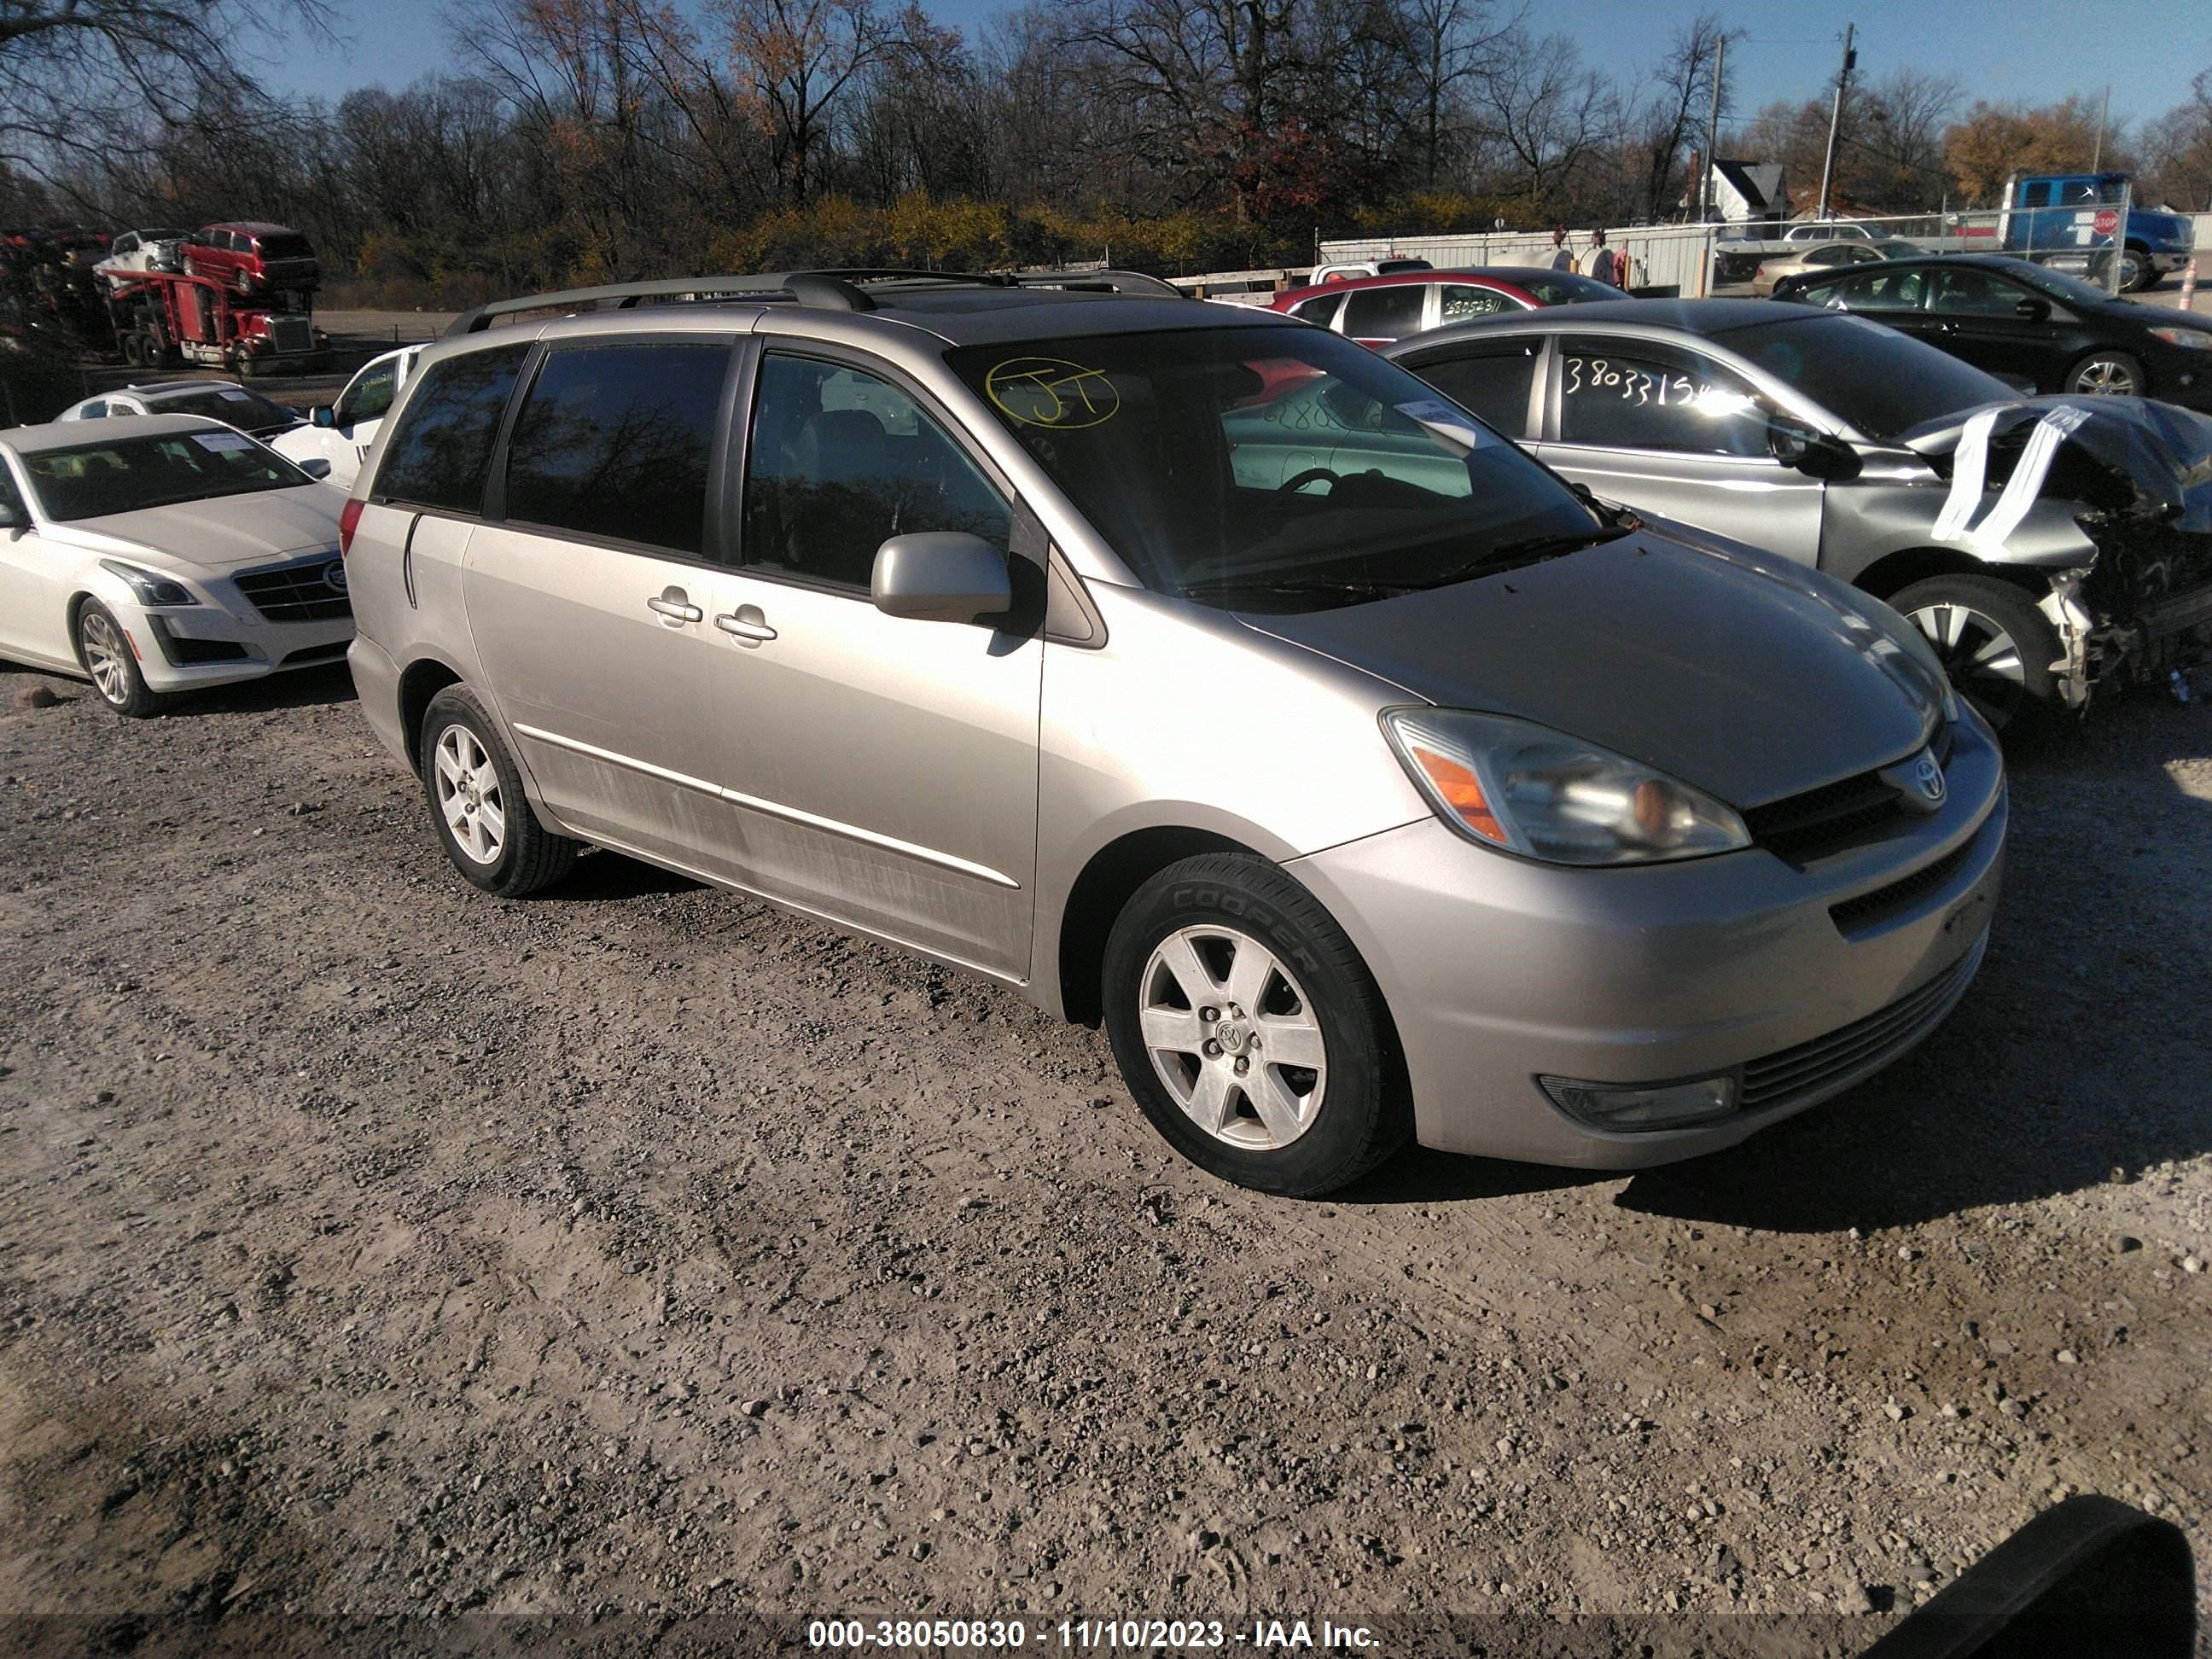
[151, 586]
[1512, 784]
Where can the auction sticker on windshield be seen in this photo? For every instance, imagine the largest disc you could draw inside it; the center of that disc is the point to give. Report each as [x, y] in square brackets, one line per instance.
[1051, 391]
[222, 443]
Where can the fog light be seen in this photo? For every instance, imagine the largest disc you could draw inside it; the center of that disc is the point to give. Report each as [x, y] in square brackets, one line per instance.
[1644, 1106]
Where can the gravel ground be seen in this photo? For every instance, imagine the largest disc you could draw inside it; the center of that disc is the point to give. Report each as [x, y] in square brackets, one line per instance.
[370, 1245]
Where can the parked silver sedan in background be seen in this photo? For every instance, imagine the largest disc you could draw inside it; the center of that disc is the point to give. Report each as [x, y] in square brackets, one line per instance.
[1216, 679]
[1833, 440]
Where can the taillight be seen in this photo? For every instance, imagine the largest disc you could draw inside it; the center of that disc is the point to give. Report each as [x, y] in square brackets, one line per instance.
[348, 521]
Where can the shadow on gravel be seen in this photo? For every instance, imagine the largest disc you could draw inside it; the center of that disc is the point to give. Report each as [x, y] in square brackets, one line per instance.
[300, 688]
[2079, 1055]
[600, 875]
[1418, 1176]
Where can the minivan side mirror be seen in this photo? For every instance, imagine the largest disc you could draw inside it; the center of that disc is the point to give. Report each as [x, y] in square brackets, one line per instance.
[316, 466]
[323, 416]
[10, 517]
[2033, 310]
[941, 575]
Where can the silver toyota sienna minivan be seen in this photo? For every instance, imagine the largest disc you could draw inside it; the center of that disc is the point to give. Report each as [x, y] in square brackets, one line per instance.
[1197, 672]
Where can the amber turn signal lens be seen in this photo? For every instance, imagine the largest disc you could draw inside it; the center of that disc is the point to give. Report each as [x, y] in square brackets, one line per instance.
[1462, 791]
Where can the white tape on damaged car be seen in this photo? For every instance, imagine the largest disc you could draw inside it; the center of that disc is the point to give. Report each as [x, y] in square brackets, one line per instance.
[1969, 472]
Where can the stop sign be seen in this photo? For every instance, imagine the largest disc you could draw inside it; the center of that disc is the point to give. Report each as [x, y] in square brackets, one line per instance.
[2105, 222]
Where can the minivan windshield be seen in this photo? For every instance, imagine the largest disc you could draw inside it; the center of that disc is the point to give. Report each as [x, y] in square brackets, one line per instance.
[1880, 380]
[1275, 469]
[91, 481]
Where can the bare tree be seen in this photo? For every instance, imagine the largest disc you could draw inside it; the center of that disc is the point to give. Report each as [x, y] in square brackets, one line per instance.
[1449, 47]
[1548, 112]
[82, 82]
[1680, 104]
[794, 62]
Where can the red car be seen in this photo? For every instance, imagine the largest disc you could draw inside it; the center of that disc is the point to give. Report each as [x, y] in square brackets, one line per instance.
[1376, 310]
[249, 256]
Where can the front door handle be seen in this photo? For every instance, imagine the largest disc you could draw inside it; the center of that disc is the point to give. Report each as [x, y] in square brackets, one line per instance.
[674, 605]
[747, 623]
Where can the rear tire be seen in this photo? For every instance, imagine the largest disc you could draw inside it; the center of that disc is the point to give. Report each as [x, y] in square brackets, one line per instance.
[1224, 962]
[484, 821]
[1995, 645]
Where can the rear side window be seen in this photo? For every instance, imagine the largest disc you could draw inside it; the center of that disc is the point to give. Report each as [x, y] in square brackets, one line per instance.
[615, 441]
[1462, 299]
[1385, 313]
[440, 452]
[1492, 382]
[1320, 313]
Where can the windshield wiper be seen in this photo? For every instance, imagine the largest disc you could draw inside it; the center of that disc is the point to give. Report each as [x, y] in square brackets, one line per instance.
[1529, 549]
[1357, 586]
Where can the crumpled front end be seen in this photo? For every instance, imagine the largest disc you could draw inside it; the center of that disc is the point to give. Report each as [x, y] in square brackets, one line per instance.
[2136, 477]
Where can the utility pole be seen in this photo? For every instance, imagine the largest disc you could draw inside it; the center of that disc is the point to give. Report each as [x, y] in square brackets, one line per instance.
[2103, 114]
[1712, 135]
[1836, 115]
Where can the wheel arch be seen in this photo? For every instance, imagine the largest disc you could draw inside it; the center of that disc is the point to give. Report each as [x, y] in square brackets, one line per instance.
[419, 682]
[1108, 879]
[1892, 572]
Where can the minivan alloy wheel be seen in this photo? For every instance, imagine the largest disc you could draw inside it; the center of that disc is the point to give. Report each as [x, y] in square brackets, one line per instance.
[469, 794]
[1233, 1037]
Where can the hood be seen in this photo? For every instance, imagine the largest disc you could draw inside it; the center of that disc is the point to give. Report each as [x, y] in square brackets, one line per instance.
[227, 532]
[2129, 456]
[1738, 671]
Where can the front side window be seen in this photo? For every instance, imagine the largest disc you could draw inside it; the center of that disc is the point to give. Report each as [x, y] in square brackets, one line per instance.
[615, 441]
[1619, 394]
[370, 395]
[839, 462]
[92, 481]
[1259, 468]
[439, 453]
[1492, 382]
[1385, 313]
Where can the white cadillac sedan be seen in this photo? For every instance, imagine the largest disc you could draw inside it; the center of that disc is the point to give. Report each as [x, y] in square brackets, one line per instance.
[155, 554]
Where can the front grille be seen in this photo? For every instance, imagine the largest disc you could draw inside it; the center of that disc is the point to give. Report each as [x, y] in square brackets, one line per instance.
[1855, 915]
[1811, 825]
[297, 592]
[292, 333]
[1861, 1045]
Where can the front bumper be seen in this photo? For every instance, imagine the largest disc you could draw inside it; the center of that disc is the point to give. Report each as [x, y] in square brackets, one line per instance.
[1800, 981]
[231, 638]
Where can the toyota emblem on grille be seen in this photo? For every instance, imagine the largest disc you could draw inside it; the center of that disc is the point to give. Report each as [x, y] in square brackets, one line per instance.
[1918, 782]
[1928, 776]
[334, 577]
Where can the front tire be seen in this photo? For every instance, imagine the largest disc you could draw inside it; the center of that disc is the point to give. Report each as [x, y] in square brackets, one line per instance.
[1995, 646]
[484, 820]
[1249, 1030]
[106, 652]
[2106, 373]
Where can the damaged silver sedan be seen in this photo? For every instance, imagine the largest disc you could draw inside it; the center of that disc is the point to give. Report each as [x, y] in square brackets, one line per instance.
[2049, 548]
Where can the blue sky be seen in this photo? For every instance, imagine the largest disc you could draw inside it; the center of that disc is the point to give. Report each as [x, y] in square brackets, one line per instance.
[2146, 50]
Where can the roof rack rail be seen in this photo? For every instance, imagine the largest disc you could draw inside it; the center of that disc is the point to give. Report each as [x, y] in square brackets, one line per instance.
[624, 296]
[835, 289]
